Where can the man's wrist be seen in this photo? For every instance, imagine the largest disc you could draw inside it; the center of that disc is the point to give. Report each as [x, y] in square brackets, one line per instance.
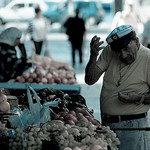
[141, 99]
[93, 57]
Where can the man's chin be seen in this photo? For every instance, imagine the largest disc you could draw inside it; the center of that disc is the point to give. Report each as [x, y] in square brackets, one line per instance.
[128, 62]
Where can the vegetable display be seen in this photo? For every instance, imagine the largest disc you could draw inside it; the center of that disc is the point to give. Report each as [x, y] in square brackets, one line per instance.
[47, 71]
[72, 127]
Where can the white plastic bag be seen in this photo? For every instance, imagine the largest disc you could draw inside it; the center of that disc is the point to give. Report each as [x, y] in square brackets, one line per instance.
[36, 114]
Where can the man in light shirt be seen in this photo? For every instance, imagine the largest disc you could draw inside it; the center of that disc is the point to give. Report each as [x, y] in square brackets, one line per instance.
[124, 98]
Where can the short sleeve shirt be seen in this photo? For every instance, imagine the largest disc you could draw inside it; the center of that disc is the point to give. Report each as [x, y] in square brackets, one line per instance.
[133, 78]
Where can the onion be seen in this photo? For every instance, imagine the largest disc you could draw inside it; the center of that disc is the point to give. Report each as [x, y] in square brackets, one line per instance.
[58, 81]
[71, 81]
[33, 75]
[67, 148]
[51, 81]
[72, 112]
[64, 81]
[71, 117]
[26, 75]
[63, 114]
[56, 117]
[79, 116]
[85, 147]
[61, 118]
[18, 78]
[48, 75]
[84, 112]
[52, 96]
[76, 148]
[90, 119]
[22, 79]
[96, 147]
[71, 122]
[30, 80]
[44, 80]
[37, 80]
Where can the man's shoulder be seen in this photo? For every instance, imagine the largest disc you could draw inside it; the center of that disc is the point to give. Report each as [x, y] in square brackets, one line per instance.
[145, 50]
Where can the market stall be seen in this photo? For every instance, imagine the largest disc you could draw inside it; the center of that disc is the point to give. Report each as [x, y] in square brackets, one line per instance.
[44, 73]
[67, 124]
[42, 109]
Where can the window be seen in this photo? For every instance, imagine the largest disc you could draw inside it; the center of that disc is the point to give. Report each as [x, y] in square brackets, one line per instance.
[18, 6]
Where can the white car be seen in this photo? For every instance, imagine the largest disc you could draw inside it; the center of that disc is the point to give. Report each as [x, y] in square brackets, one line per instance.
[20, 10]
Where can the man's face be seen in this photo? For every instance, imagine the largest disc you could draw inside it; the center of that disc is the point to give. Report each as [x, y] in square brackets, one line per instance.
[128, 54]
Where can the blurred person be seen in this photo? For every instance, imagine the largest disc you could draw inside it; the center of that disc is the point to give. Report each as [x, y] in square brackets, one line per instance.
[75, 29]
[38, 29]
[10, 65]
[125, 97]
[126, 17]
[146, 34]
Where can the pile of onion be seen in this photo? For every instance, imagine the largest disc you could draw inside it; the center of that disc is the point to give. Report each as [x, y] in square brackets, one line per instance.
[74, 117]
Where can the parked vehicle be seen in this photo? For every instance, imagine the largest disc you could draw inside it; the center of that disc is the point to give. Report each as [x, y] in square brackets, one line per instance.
[20, 10]
[59, 10]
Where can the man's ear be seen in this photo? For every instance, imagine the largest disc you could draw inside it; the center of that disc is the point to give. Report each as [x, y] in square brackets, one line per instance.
[137, 40]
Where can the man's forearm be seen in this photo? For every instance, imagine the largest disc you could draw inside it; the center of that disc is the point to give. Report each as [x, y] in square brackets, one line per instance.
[92, 72]
[143, 99]
[146, 98]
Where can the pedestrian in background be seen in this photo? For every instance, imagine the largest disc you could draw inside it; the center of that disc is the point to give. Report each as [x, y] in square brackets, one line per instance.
[126, 17]
[10, 65]
[146, 34]
[125, 97]
[75, 29]
[38, 29]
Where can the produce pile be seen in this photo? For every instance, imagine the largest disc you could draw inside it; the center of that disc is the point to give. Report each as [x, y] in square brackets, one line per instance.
[47, 71]
[72, 127]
